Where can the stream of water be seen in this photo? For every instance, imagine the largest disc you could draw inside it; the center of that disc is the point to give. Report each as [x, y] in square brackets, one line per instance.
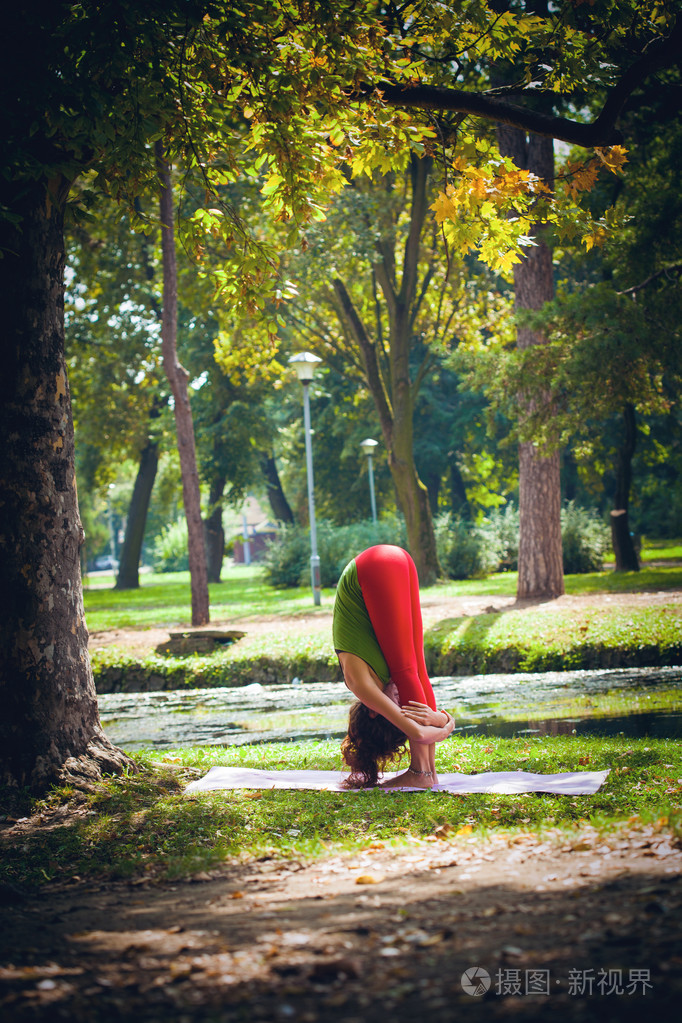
[519, 704]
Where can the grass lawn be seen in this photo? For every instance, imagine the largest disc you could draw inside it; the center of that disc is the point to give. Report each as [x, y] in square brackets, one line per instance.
[164, 600]
[142, 825]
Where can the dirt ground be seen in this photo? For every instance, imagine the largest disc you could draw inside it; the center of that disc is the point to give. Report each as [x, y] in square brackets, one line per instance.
[435, 608]
[506, 928]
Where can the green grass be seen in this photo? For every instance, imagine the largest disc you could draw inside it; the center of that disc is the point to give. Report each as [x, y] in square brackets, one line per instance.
[527, 640]
[141, 825]
[662, 550]
[556, 640]
[164, 600]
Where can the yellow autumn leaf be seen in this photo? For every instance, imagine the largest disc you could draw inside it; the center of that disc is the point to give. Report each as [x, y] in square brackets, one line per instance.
[614, 157]
[581, 177]
[444, 207]
[506, 260]
[596, 237]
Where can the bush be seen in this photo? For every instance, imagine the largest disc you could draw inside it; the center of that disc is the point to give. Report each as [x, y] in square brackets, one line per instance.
[464, 550]
[170, 552]
[287, 561]
[286, 557]
[585, 540]
[501, 533]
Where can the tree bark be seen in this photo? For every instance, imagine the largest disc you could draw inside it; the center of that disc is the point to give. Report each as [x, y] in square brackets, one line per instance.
[214, 533]
[178, 378]
[540, 553]
[128, 577]
[281, 508]
[621, 538]
[49, 724]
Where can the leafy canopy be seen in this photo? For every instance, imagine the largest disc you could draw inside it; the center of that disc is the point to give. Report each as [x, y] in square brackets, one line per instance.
[300, 95]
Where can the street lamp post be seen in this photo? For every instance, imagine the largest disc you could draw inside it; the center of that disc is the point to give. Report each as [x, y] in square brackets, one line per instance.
[368, 447]
[304, 363]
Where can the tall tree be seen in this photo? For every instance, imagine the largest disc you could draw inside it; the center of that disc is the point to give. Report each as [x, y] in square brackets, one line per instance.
[178, 378]
[255, 80]
[113, 315]
[385, 357]
[541, 571]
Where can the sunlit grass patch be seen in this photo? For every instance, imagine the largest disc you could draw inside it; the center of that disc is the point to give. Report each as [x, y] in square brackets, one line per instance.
[557, 639]
[142, 825]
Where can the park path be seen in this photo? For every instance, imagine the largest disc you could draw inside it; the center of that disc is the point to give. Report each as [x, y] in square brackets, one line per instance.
[384, 933]
[435, 608]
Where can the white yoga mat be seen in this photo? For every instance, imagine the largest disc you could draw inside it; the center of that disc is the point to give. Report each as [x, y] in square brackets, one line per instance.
[575, 783]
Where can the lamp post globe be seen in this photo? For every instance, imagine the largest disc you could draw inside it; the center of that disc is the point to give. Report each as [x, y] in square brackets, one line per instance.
[368, 445]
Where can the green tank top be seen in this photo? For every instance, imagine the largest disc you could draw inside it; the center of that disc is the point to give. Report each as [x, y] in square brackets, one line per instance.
[352, 628]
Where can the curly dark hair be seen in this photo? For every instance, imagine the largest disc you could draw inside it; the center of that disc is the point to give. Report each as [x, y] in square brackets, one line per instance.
[372, 742]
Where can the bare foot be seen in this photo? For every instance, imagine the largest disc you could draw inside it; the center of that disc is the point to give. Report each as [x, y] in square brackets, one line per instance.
[408, 779]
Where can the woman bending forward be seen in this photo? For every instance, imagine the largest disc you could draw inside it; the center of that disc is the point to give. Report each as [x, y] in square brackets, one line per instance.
[378, 637]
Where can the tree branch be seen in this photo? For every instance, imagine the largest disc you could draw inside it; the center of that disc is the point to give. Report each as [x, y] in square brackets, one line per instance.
[369, 357]
[676, 268]
[601, 132]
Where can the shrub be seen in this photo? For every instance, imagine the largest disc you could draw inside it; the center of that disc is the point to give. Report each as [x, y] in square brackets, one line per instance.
[286, 557]
[585, 540]
[287, 560]
[501, 533]
[170, 553]
[464, 550]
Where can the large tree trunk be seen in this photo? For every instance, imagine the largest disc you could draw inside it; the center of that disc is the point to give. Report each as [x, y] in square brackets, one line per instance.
[49, 723]
[128, 577]
[281, 508]
[214, 533]
[540, 553]
[623, 546]
[178, 378]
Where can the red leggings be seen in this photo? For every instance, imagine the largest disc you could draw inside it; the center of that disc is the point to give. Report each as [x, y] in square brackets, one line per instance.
[390, 589]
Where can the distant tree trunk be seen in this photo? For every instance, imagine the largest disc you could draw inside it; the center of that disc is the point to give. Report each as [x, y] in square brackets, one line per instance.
[128, 577]
[214, 533]
[458, 493]
[540, 553]
[49, 723]
[623, 546]
[432, 481]
[177, 378]
[276, 496]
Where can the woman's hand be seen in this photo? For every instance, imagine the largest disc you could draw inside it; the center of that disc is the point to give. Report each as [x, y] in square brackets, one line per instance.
[424, 715]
